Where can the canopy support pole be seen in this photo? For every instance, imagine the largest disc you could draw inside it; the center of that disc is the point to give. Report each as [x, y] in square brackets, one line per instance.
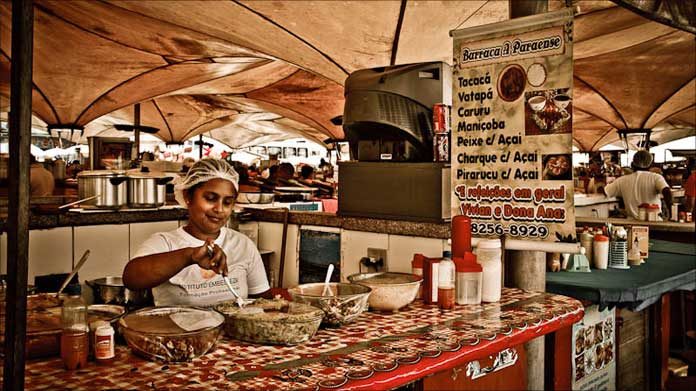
[136, 132]
[200, 146]
[528, 267]
[18, 215]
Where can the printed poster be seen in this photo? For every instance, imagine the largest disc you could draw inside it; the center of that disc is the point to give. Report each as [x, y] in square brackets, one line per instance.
[512, 113]
[594, 341]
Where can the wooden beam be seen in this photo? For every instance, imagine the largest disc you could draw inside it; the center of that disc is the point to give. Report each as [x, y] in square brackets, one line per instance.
[18, 217]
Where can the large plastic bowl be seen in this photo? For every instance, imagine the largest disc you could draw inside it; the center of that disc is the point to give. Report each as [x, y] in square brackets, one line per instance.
[391, 291]
[151, 333]
[345, 302]
[275, 322]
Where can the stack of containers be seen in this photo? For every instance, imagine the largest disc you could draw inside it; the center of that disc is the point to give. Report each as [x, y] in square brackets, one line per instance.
[469, 273]
[618, 248]
[469, 276]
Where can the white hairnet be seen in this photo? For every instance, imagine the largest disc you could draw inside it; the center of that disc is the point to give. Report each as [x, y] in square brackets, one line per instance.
[203, 171]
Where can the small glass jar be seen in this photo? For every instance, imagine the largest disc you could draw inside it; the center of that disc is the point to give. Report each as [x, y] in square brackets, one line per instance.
[446, 282]
[653, 212]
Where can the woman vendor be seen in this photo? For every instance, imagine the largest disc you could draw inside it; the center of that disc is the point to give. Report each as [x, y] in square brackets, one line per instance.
[185, 266]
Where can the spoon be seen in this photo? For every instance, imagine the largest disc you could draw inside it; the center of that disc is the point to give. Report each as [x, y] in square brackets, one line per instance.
[329, 271]
[239, 300]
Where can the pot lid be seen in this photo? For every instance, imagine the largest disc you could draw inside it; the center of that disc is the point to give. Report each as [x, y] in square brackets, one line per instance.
[96, 173]
[152, 175]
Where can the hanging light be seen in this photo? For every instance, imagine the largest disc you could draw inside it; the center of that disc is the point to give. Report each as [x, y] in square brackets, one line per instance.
[643, 134]
[64, 131]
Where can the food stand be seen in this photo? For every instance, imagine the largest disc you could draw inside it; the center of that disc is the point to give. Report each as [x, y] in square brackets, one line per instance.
[377, 351]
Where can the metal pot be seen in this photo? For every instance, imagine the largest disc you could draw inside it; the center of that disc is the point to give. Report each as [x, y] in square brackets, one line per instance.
[147, 190]
[109, 185]
[110, 290]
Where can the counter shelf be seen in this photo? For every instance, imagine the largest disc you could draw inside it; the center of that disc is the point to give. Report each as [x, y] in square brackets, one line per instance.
[376, 351]
[670, 266]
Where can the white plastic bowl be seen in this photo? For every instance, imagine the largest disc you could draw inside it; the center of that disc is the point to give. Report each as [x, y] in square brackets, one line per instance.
[391, 291]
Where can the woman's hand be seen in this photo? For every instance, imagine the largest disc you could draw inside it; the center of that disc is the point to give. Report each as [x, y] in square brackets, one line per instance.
[210, 256]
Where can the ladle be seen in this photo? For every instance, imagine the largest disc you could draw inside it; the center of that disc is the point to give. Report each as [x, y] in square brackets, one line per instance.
[73, 272]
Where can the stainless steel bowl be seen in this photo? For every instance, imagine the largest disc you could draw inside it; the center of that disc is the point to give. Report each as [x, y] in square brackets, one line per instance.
[110, 290]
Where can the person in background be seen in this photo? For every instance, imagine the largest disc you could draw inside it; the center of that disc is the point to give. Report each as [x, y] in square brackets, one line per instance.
[307, 179]
[641, 187]
[41, 181]
[611, 168]
[690, 188]
[73, 169]
[185, 266]
[326, 169]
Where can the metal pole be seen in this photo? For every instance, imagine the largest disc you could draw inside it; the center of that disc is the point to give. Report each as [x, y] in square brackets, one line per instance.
[136, 122]
[18, 216]
[528, 266]
[200, 146]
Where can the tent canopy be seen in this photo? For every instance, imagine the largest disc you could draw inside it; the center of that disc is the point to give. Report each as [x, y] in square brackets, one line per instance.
[246, 72]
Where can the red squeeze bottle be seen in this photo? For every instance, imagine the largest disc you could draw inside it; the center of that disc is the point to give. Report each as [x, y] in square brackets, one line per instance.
[417, 268]
[461, 236]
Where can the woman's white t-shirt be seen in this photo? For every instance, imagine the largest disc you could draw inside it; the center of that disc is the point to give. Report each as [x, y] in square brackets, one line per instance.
[196, 286]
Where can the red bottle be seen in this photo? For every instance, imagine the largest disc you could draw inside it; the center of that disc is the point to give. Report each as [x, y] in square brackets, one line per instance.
[461, 236]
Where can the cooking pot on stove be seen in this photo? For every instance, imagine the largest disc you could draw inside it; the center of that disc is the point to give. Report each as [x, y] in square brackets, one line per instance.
[109, 186]
[147, 190]
[110, 290]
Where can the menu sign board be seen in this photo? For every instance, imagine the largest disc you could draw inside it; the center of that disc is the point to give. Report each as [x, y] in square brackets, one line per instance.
[512, 127]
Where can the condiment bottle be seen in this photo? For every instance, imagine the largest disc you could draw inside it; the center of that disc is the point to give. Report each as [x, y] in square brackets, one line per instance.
[104, 344]
[653, 211]
[489, 254]
[461, 236]
[642, 212]
[600, 251]
[74, 339]
[446, 282]
[430, 279]
[469, 275]
[586, 239]
[417, 269]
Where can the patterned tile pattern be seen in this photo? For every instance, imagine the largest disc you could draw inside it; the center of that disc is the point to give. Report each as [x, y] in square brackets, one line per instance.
[376, 346]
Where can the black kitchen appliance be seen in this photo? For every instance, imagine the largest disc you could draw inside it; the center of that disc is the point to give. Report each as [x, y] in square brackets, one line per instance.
[388, 122]
[388, 111]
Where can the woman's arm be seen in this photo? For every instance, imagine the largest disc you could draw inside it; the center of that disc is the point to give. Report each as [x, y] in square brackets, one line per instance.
[152, 270]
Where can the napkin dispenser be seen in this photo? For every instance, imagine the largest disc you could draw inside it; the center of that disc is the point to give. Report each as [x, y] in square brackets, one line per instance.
[578, 262]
